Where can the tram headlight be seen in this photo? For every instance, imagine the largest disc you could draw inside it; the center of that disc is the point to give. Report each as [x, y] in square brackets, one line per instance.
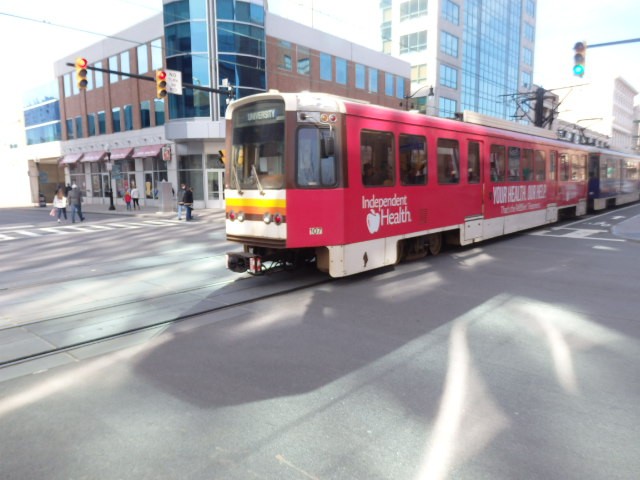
[241, 216]
[267, 218]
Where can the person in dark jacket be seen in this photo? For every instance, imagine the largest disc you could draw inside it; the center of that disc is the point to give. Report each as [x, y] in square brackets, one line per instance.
[187, 201]
[181, 206]
[75, 200]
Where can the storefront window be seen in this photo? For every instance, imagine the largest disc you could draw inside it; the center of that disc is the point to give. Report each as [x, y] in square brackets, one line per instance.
[76, 172]
[190, 172]
[155, 171]
[124, 174]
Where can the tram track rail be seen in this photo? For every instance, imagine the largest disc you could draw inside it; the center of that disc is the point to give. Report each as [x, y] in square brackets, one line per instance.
[152, 325]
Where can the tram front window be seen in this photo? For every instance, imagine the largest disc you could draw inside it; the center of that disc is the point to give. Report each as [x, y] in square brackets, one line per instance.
[257, 154]
[316, 166]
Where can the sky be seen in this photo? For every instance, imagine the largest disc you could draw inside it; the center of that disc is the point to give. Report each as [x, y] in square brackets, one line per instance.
[36, 33]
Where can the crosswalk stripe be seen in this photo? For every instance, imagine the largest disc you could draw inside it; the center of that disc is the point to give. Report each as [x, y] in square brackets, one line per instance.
[28, 233]
[54, 230]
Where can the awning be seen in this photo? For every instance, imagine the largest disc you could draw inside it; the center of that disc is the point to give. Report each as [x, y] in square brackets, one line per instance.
[71, 158]
[94, 156]
[120, 153]
[147, 151]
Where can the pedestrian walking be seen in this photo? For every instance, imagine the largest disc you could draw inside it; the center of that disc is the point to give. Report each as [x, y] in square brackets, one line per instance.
[127, 199]
[60, 204]
[75, 201]
[188, 202]
[180, 198]
[135, 196]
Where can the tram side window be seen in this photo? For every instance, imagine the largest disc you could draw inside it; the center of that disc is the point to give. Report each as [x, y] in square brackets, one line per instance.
[539, 165]
[553, 164]
[498, 155]
[448, 161]
[578, 167]
[316, 166]
[564, 167]
[413, 160]
[473, 163]
[377, 158]
[514, 164]
[527, 165]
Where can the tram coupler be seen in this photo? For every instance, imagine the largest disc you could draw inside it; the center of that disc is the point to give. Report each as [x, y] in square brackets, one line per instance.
[241, 262]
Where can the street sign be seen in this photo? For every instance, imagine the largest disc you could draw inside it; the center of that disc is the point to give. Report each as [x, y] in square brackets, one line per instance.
[174, 82]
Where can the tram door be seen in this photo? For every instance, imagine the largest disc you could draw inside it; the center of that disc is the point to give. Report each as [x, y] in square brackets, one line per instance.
[215, 188]
[474, 177]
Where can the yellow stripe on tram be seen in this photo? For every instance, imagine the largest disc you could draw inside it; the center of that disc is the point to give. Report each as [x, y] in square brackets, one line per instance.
[256, 202]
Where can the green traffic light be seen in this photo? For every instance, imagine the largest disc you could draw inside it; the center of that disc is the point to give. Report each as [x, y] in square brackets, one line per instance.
[578, 70]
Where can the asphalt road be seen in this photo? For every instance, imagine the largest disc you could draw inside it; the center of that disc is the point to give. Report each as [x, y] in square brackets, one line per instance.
[512, 359]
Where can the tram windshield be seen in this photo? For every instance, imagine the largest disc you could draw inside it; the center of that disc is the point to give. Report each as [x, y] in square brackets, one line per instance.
[257, 156]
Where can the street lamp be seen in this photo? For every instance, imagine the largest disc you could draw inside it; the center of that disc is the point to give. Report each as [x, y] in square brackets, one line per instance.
[414, 94]
[110, 191]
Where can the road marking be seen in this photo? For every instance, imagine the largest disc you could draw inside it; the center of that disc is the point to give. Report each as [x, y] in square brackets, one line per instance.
[54, 230]
[28, 233]
[16, 227]
[583, 234]
[122, 225]
[4, 237]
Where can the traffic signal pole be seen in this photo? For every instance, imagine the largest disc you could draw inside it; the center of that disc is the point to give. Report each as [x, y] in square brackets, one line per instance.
[153, 79]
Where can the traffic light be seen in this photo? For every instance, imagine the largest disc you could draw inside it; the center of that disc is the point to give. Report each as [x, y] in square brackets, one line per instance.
[579, 58]
[161, 83]
[81, 73]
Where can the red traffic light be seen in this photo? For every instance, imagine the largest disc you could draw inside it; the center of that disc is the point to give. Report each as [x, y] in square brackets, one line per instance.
[81, 72]
[161, 84]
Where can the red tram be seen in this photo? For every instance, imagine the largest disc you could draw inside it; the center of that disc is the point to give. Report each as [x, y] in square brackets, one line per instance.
[355, 186]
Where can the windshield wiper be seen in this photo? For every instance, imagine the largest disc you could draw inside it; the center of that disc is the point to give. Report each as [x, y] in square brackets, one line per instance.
[235, 177]
[255, 172]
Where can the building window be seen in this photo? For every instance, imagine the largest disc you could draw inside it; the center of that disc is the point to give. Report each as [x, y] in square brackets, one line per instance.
[145, 114]
[156, 54]
[125, 63]
[341, 71]
[388, 84]
[419, 74]
[529, 32]
[190, 172]
[326, 72]
[113, 65]
[91, 124]
[449, 44]
[373, 80]
[155, 171]
[527, 57]
[115, 114]
[412, 9]
[448, 107]
[286, 55]
[98, 77]
[451, 12]
[102, 123]
[526, 79]
[399, 87]
[414, 42]
[143, 59]
[159, 109]
[531, 8]
[361, 75]
[70, 133]
[67, 85]
[448, 76]
[304, 61]
[128, 117]
[79, 132]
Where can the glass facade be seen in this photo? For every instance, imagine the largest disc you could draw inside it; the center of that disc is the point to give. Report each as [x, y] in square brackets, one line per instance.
[42, 114]
[491, 56]
[240, 40]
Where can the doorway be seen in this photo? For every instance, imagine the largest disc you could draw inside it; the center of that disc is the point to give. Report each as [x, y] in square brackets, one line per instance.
[215, 188]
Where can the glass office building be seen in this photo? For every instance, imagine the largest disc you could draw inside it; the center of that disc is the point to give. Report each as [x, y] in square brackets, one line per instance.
[476, 54]
[236, 40]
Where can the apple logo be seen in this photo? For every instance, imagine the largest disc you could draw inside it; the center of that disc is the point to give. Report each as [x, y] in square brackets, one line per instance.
[373, 221]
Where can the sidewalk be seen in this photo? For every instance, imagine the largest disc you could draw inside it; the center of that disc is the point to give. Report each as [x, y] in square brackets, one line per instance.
[209, 214]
